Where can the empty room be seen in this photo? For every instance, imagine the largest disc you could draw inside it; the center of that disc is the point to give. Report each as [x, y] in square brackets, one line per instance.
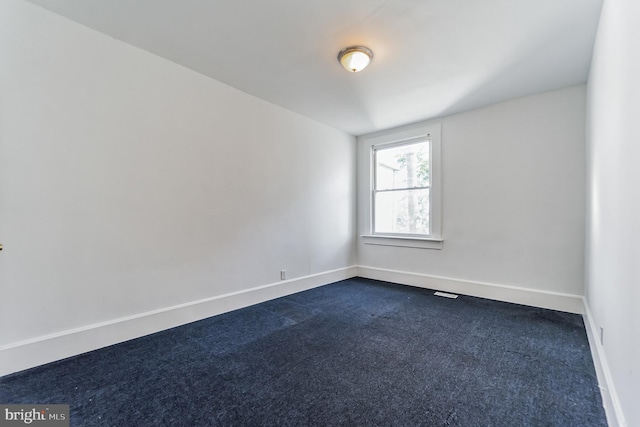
[346, 212]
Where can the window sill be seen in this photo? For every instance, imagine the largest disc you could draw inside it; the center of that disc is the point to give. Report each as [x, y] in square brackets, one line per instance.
[402, 241]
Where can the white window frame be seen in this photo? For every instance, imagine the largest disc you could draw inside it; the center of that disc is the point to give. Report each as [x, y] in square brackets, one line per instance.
[388, 139]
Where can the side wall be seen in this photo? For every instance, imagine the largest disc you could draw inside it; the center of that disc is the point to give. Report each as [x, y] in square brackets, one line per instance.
[513, 206]
[613, 208]
[134, 189]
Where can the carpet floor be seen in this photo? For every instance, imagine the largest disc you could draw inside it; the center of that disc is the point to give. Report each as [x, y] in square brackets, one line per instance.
[354, 353]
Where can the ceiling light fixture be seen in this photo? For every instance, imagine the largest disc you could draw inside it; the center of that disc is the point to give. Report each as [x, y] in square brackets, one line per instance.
[355, 58]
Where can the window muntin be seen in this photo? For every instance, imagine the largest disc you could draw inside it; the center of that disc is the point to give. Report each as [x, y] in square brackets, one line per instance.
[401, 194]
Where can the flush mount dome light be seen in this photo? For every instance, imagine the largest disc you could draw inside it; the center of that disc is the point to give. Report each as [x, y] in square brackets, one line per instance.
[355, 58]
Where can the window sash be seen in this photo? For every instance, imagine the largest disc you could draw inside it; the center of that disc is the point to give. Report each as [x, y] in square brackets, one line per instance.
[404, 212]
[427, 187]
[375, 190]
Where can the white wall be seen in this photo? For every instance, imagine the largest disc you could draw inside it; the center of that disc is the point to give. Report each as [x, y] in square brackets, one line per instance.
[131, 184]
[513, 201]
[613, 184]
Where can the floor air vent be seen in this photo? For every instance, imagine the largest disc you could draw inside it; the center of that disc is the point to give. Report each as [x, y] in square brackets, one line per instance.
[446, 295]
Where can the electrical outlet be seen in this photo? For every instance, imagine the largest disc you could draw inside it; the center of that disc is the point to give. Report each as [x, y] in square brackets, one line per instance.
[283, 274]
[601, 335]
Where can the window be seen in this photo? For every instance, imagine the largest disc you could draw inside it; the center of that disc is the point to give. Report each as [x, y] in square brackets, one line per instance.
[401, 203]
[403, 178]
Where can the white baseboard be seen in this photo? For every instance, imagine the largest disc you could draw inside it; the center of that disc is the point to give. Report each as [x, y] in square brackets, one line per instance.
[37, 351]
[612, 407]
[544, 299]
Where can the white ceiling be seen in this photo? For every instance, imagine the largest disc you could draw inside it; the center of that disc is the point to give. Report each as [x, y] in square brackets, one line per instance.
[432, 57]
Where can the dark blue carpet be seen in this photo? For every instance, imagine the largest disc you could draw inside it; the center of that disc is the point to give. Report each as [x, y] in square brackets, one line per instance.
[356, 353]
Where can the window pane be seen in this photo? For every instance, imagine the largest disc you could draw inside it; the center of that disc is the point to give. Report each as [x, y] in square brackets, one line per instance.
[404, 212]
[405, 166]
